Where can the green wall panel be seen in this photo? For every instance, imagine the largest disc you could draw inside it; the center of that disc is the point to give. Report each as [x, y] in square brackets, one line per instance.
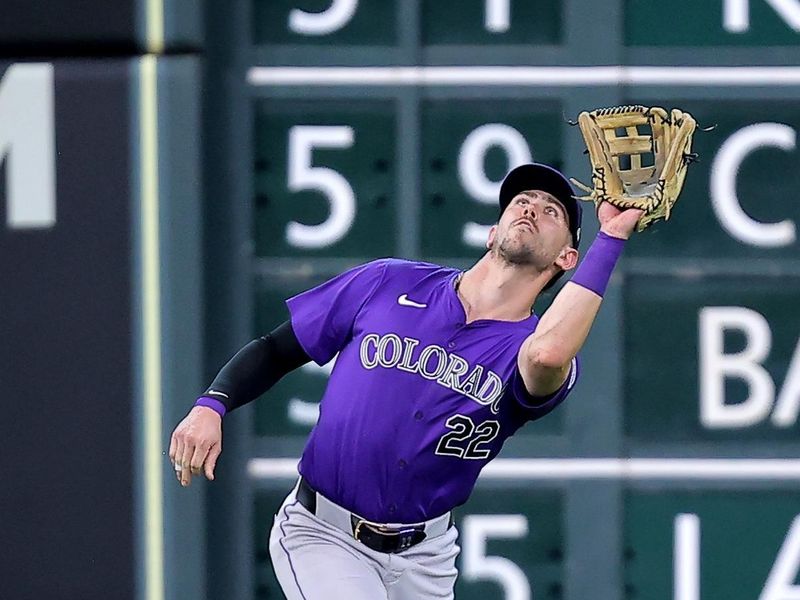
[701, 23]
[522, 23]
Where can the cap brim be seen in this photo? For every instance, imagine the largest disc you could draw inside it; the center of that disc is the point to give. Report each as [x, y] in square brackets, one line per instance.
[535, 176]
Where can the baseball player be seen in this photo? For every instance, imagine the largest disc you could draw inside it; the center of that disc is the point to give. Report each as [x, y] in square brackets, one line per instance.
[436, 368]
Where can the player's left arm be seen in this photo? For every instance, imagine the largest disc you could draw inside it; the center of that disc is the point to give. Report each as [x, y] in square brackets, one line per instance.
[546, 355]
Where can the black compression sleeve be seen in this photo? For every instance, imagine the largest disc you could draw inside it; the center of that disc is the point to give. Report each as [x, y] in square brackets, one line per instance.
[257, 367]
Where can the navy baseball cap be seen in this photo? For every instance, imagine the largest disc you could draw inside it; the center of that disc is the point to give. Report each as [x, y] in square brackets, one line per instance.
[536, 176]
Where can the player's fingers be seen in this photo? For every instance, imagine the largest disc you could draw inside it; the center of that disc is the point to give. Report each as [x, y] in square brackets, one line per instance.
[186, 461]
[198, 458]
[211, 461]
[178, 455]
[173, 445]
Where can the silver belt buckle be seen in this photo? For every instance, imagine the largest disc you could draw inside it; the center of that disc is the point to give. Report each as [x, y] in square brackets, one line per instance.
[376, 528]
[405, 537]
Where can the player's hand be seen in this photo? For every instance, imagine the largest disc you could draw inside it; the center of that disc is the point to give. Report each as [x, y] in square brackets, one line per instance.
[196, 444]
[618, 223]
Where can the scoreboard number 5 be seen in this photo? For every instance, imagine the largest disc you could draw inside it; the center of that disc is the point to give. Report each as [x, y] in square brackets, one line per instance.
[302, 175]
[477, 566]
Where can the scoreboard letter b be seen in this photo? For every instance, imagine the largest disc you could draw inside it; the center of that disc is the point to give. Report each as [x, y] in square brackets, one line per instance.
[746, 365]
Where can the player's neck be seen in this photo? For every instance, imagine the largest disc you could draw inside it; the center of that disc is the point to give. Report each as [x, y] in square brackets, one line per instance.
[491, 290]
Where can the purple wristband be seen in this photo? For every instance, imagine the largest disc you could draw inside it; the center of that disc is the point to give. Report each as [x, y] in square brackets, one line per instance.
[596, 267]
[213, 404]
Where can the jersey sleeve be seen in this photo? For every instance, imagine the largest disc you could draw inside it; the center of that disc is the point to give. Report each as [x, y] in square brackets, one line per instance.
[323, 317]
[535, 407]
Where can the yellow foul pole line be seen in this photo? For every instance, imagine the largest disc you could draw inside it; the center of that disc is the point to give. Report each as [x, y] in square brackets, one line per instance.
[154, 26]
[151, 342]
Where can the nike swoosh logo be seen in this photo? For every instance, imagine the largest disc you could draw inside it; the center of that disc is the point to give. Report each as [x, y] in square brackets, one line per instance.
[404, 301]
[216, 393]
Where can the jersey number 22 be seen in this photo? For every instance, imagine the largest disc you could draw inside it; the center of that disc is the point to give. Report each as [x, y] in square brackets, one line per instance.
[466, 440]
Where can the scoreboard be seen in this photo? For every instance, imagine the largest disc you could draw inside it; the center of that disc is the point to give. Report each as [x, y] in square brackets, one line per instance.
[369, 129]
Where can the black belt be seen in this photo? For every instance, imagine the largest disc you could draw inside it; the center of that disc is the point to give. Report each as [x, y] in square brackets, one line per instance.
[375, 536]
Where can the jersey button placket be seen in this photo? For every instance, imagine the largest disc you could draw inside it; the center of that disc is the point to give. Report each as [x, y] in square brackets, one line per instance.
[451, 342]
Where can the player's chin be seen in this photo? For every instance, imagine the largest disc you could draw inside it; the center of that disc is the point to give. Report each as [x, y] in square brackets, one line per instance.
[520, 238]
[520, 254]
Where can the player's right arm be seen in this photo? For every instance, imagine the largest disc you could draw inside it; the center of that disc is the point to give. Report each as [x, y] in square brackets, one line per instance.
[196, 443]
[321, 324]
[545, 356]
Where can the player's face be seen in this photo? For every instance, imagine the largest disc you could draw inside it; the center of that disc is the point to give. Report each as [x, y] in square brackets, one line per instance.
[533, 230]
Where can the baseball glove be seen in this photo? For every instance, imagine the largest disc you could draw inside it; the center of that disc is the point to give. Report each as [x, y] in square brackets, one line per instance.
[639, 158]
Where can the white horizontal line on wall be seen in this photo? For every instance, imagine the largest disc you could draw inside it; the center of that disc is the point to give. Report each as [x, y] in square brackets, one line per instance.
[522, 76]
[730, 469]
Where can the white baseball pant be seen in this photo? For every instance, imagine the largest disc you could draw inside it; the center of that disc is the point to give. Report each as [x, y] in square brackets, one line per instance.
[314, 560]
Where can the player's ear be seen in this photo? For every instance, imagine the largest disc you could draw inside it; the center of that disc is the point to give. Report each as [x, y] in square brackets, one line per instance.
[567, 258]
[492, 235]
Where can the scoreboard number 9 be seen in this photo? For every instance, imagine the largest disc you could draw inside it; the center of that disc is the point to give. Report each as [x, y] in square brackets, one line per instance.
[472, 174]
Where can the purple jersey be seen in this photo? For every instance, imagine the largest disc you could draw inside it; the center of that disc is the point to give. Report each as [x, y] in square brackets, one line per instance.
[418, 401]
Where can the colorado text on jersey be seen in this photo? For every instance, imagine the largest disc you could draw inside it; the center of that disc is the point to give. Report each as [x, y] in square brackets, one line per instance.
[434, 363]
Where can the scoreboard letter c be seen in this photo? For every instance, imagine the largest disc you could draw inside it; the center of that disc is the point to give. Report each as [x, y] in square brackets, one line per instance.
[724, 171]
